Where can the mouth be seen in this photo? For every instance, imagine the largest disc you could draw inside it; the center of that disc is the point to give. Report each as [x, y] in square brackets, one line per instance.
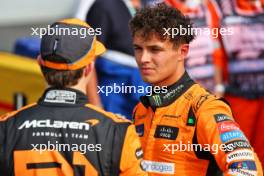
[146, 70]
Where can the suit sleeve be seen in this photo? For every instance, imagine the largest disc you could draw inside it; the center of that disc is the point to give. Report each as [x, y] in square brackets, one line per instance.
[228, 144]
[132, 154]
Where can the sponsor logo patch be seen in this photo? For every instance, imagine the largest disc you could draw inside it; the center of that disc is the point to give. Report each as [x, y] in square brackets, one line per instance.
[166, 132]
[222, 118]
[139, 153]
[238, 144]
[140, 130]
[239, 172]
[60, 96]
[246, 165]
[54, 124]
[240, 155]
[158, 167]
[228, 136]
[227, 126]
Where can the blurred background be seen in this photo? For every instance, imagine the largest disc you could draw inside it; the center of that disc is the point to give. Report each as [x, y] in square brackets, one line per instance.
[228, 66]
[20, 76]
[18, 17]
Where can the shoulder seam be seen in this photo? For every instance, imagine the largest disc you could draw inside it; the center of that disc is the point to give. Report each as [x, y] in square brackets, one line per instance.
[13, 113]
[109, 115]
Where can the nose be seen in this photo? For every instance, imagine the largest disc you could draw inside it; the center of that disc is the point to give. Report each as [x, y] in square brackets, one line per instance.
[145, 57]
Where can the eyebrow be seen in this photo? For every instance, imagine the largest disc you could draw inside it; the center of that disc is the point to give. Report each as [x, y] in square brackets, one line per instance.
[149, 46]
[154, 46]
[135, 45]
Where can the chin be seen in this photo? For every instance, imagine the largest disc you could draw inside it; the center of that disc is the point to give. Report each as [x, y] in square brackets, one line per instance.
[150, 80]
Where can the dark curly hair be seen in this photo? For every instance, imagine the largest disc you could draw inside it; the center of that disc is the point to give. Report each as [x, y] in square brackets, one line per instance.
[155, 19]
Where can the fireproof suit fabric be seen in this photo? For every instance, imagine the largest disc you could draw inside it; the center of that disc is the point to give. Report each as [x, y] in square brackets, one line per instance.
[187, 115]
[76, 139]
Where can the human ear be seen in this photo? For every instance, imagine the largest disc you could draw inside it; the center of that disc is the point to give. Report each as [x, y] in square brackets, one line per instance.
[183, 51]
[88, 69]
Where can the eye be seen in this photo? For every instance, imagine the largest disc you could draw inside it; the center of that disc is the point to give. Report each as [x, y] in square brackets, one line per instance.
[155, 49]
[137, 48]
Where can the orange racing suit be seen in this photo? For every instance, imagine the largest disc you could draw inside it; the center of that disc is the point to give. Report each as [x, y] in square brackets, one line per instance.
[189, 132]
[62, 135]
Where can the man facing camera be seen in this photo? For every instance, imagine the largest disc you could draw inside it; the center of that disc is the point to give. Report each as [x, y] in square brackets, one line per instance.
[186, 131]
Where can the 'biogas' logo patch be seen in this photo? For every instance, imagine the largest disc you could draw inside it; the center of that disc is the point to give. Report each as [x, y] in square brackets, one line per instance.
[158, 167]
[229, 136]
[221, 118]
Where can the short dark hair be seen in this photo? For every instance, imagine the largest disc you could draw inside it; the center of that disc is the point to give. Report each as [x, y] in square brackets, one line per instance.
[153, 20]
[62, 78]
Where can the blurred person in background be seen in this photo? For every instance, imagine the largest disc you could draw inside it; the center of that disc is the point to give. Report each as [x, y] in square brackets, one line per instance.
[242, 65]
[117, 66]
[200, 62]
[61, 134]
[92, 89]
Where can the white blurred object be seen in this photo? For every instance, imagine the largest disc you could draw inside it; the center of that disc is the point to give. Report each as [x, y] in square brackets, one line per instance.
[20, 12]
[193, 3]
[17, 17]
[83, 8]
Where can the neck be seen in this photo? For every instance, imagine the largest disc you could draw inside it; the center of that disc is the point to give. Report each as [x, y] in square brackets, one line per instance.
[172, 79]
[80, 86]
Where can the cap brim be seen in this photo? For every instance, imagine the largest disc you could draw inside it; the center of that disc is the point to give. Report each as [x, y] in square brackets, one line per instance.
[99, 48]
